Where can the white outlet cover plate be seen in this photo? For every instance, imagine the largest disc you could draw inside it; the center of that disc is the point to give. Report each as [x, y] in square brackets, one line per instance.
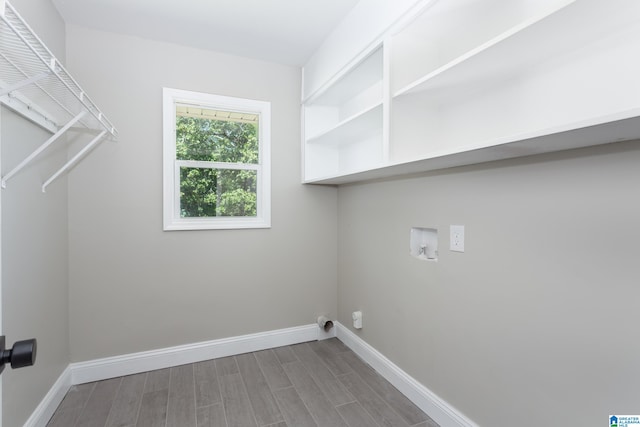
[457, 238]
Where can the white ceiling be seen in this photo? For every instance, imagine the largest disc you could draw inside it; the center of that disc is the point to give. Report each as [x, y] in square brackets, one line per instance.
[282, 31]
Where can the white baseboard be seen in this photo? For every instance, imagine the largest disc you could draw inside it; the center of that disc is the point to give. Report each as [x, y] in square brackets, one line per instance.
[43, 413]
[117, 366]
[441, 412]
[100, 369]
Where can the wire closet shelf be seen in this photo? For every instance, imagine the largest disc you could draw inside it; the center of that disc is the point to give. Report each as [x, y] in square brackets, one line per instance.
[34, 84]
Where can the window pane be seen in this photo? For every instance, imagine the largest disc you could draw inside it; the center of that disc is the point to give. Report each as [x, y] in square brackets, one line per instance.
[217, 192]
[216, 136]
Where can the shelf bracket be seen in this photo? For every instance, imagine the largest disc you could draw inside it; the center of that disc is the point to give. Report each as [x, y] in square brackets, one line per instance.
[40, 149]
[23, 83]
[74, 159]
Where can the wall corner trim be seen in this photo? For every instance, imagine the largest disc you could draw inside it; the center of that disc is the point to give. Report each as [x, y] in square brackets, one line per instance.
[45, 410]
[441, 412]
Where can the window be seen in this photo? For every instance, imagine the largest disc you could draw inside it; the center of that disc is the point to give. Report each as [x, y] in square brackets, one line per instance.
[216, 161]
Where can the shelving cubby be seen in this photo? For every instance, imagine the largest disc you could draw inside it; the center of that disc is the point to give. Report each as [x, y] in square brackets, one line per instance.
[447, 33]
[533, 79]
[343, 125]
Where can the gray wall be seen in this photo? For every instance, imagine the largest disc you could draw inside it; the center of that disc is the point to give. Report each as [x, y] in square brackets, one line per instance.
[134, 287]
[34, 245]
[537, 321]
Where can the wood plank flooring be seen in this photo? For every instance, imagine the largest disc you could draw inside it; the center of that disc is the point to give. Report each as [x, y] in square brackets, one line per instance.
[315, 384]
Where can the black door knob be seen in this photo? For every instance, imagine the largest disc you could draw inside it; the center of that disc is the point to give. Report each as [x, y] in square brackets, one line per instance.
[22, 354]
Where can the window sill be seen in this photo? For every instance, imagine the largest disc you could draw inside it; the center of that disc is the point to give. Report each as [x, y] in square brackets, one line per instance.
[217, 224]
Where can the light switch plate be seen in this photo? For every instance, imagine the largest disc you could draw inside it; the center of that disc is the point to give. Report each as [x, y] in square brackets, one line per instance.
[457, 238]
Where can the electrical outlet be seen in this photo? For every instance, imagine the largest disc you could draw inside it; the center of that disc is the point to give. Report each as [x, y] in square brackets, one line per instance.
[357, 319]
[457, 238]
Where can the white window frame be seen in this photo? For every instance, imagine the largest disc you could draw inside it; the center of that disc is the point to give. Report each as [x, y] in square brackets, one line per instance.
[171, 166]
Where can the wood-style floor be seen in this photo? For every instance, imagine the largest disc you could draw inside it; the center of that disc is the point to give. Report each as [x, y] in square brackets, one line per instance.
[320, 383]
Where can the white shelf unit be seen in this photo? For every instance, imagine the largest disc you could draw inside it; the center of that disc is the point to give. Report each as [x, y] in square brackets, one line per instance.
[34, 84]
[470, 85]
[449, 32]
[545, 72]
[343, 124]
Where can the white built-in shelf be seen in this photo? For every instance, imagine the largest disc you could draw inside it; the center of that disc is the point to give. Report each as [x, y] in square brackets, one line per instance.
[352, 129]
[351, 82]
[450, 33]
[623, 126]
[34, 84]
[343, 123]
[346, 156]
[552, 71]
[469, 85]
[522, 47]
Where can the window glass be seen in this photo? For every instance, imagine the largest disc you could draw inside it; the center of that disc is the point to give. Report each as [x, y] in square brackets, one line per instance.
[216, 136]
[217, 192]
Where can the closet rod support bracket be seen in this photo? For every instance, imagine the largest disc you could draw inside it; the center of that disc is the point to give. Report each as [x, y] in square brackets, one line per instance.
[40, 149]
[74, 159]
